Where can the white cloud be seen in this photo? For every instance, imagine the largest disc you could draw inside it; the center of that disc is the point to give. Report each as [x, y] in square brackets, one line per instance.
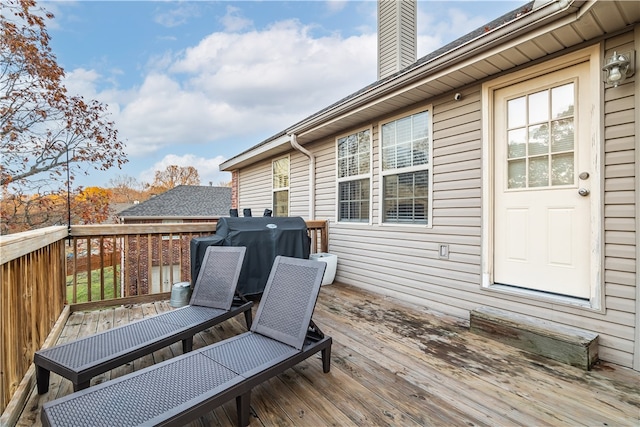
[234, 86]
[237, 84]
[234, 21]
[81, 82]
[336, 5]
[282, 66]
[444, 26]
[208, 169]
[177, 16]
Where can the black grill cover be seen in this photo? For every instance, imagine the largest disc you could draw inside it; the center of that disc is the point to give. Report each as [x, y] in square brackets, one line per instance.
[264, 237]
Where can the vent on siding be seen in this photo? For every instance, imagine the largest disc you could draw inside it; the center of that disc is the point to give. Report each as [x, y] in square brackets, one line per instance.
[396, 35]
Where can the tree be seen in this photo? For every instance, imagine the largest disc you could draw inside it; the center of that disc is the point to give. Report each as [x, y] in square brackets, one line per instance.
[126, 189]
[19, 212]
[47, 136]
[173, 176]
[91, 205]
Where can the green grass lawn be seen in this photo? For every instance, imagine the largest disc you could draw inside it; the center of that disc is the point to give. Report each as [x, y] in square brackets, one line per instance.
[81, 286]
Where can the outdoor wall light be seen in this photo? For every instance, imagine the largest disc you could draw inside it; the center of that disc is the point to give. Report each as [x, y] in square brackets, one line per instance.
[618, 67]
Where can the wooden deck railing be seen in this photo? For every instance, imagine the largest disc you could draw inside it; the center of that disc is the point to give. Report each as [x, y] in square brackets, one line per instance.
[32, 278]
[108, 262]
[92, 266]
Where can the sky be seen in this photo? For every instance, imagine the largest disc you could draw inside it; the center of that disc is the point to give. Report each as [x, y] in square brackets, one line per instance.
[194, 83]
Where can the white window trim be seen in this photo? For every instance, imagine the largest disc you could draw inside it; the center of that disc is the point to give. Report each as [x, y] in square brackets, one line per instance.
[594, 55]
[274, 189]
[428, 167]
[355, 178]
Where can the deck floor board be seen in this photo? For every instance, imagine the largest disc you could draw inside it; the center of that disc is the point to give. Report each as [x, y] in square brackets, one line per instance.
[394, 364]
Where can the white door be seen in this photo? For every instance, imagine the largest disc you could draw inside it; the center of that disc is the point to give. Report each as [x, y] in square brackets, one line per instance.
[542, 183]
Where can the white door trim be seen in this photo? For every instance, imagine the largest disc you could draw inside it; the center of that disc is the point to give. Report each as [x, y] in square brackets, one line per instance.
[592, 54]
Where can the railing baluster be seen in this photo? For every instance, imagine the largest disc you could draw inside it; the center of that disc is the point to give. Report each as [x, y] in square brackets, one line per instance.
[138, 269]
[101, 241]
[89, 269]
[150, 264]
[114, 264]
[75, 269]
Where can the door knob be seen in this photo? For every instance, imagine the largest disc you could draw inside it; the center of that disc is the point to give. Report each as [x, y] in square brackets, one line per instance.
[583, 192]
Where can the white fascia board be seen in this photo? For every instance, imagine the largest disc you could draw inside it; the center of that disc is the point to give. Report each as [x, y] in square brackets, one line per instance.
[264, 150]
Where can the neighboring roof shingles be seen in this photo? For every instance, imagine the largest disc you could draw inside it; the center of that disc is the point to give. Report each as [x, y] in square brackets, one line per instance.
[184, 201]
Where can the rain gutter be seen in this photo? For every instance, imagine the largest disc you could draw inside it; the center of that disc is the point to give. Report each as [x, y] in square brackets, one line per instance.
[312, 173]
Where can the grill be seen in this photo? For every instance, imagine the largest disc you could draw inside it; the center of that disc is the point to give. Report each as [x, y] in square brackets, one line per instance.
[264, 237]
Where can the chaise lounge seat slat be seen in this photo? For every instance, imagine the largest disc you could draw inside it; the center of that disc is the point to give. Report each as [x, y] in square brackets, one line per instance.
[81, 360]
[186, 387]
[138, 398]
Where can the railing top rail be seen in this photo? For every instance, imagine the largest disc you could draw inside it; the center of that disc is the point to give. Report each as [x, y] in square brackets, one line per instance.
[124, 229]
[16, 245]
[316, 223]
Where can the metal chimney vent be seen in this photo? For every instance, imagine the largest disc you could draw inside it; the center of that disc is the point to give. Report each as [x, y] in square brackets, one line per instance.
[397, 35]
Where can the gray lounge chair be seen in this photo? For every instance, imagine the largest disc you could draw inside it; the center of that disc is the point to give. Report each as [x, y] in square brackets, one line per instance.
[212, 302]
[186, 387]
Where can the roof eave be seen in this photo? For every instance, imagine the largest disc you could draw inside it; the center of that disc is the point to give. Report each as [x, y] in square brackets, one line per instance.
[538, 17]
[258, 152]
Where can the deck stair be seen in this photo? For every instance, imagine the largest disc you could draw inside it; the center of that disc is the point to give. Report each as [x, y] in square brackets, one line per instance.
[562, 343]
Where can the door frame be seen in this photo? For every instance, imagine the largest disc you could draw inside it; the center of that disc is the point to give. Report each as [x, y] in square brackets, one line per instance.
[593, 55]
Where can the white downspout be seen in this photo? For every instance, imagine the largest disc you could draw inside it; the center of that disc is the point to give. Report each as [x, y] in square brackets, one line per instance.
[312, 173]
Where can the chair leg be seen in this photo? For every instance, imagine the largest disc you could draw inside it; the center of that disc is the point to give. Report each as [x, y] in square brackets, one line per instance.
[243, 408]
[187, 345]
[247, 318]
[42, 378]
[326, 358]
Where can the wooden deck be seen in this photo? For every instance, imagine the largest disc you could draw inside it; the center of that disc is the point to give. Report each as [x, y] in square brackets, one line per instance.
[396, 365]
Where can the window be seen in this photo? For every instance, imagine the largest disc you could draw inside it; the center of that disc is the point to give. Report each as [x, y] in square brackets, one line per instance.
[406, 145]
[354, 169]
[540, 138]
[280, 173]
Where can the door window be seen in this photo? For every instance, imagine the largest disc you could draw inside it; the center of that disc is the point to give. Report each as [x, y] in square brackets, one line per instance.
[540, 138]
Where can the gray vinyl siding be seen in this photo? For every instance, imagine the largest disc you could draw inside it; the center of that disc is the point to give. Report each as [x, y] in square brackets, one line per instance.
[325, 152]
[254, 188]
[299, 185]
[403, 262]
[620, 254]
